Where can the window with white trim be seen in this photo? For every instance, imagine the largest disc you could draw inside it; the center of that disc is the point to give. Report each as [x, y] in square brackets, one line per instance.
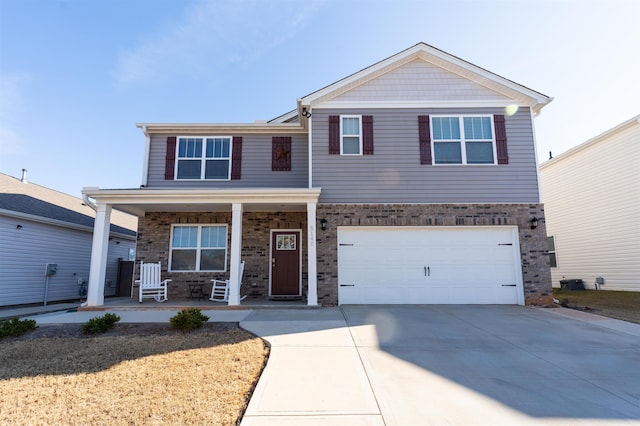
[203, 158]
[198, 248]
[551, 248]
[463, 139]
[350, 135]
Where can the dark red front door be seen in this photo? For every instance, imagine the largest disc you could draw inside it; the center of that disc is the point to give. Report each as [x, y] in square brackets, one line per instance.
[285, 263]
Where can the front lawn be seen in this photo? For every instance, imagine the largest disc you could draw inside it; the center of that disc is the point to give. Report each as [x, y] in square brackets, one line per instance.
[149, 375]
[623, 305]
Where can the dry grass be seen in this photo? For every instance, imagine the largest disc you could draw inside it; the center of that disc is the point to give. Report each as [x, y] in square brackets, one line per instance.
[166, 377]
[623, 305]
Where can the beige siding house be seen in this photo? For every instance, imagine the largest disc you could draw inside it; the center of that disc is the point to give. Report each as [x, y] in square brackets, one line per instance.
[591, 195]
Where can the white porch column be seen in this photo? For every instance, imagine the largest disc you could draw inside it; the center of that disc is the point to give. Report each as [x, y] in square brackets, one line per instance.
[236, 251]
[312, 267]
[99, 248]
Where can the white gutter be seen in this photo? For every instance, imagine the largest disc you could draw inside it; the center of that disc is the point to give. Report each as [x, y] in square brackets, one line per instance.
[60, 223]
[88, 202]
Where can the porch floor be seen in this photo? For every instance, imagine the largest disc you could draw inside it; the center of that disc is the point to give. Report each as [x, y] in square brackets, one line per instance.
[127, 303]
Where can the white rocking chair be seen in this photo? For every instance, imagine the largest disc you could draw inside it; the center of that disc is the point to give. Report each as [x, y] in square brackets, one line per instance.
[220, 288]
[151, 285]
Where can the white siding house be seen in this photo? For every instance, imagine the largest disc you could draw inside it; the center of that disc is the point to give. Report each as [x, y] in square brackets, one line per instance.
[591, 195]
[40, 226]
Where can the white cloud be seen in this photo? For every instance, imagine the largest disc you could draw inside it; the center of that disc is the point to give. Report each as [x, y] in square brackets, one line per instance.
[212, 34]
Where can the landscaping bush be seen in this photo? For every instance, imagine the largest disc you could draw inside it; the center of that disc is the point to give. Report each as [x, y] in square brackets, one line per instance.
[188, 319]
[15, 327]
[100, 324]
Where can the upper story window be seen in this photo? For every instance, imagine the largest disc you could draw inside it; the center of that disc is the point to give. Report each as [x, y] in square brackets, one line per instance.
[350, 135]
[463, 140]
[203, 158]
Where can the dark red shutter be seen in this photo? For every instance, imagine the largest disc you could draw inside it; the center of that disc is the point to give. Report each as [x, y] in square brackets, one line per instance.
[501, 139]
[367, 134]
[236, 158]
[281, 154]
[334, 134]
[170, 159]
[424, 135]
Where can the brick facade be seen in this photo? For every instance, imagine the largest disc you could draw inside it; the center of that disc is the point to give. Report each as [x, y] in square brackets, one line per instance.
[154, 236]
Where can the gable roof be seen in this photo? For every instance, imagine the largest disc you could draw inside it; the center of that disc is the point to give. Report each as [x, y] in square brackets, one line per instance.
[423, 52]
[40, 203]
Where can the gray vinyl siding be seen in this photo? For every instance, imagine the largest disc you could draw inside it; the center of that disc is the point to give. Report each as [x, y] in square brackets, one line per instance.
[24, 253]
[256, 165]
[394, 173]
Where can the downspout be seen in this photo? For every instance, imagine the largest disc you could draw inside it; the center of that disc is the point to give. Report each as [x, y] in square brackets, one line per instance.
[310, 137]
[145, 164]
[88, 202]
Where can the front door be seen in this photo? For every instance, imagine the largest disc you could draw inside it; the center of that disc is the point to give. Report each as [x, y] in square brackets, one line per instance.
[285, 263]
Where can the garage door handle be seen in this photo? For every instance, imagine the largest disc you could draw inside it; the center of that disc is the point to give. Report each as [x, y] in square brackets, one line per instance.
[508, 285]
[427, 271]
[347, 285]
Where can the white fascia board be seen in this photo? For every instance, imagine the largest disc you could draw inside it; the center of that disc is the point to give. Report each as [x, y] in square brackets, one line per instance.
[421, 104]
[602, 136]
[59, 223]
[531, 98]
[200, 128]
[204, 196]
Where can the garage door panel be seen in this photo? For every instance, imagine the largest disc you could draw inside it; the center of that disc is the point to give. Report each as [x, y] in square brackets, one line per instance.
[423, 265]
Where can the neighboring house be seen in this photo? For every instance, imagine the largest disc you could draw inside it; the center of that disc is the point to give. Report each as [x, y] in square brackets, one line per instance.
[40, 226]
[411, 181]
[592, 199]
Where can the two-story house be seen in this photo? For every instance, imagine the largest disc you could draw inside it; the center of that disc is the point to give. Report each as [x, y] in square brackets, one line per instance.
[411, 181]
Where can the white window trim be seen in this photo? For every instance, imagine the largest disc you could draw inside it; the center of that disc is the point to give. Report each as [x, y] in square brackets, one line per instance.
[554, 251]
[203, 158]
[359, 117]
[463, 147]
[198, 247]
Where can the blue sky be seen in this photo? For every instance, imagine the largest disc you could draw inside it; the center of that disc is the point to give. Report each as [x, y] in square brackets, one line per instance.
[76, 75]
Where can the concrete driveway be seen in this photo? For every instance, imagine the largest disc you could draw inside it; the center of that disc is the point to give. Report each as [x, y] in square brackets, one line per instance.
[455, 365]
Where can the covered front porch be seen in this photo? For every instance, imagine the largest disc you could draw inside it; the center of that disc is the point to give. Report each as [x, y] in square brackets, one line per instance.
[269, 229]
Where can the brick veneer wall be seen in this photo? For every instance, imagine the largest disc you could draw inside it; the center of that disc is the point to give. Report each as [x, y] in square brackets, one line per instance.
[533, 243]
[154, 237]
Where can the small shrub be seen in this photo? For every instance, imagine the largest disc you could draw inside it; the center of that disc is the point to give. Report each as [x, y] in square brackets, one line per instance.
[15, 327]
[100, 324]
[188, 319]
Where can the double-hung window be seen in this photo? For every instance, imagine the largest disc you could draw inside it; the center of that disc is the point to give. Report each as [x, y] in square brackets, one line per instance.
[551, 246]
[350, 135]
[203, 158]
[198, 248]
[463, 140]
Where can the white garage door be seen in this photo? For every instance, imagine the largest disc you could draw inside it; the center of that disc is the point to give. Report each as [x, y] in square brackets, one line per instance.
[416, 265]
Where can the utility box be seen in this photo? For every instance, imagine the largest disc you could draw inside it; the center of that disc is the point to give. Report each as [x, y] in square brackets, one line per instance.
[575, 284]
[50, 269]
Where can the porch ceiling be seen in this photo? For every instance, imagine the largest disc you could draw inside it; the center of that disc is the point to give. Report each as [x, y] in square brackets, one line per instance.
[140, 201]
